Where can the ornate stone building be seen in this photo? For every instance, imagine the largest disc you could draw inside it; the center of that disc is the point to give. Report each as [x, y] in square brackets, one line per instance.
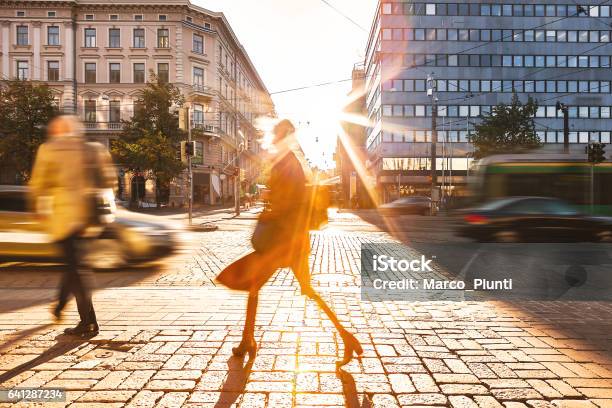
[97, 56]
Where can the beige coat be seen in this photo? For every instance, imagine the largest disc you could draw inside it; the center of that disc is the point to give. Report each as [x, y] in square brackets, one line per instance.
[62, 182]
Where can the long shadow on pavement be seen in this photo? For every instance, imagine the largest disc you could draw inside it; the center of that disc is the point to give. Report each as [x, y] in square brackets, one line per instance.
[24, 334]
[349, 389]
[47, 278]
[571, 300]
[235, 383]
[64, 345]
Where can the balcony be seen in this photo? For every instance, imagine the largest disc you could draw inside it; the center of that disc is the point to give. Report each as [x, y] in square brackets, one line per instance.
[203, 90]
[101, 126]
[208, 130]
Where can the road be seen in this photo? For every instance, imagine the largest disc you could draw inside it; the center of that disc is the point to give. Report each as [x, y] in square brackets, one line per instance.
[167, 332]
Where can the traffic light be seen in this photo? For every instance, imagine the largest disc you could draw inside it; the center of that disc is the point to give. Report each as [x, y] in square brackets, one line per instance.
[183, 119]
[599, 152]
[596, 152]
[187, 150]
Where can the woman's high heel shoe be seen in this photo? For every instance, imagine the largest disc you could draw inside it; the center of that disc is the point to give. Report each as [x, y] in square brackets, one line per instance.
[351, 345]
[243, 348]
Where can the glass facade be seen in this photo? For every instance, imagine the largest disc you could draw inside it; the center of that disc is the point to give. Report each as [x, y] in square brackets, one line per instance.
[478, 61]
[478, 54]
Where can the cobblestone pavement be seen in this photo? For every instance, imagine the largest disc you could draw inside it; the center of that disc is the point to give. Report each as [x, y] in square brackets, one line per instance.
[167, 335]
[202, 255]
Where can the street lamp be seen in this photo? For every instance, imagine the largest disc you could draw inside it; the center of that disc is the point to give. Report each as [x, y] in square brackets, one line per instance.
[563, 108]
[431, 88]
[185, 125]
[239, 150]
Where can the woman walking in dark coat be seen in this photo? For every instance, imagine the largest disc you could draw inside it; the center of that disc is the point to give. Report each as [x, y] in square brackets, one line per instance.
[281, 239]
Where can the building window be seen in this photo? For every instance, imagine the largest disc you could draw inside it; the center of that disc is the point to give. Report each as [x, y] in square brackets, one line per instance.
[90, 38]
[138, 17]
[163, 72]
[198, 77]
[139, 73]
[189, 19]
[90, 73]
[113, 17]
[53, 35]
[89, 17]
[53, 70]
[114, 112]
[198, 114]
[138, 108]
[22, 70]
[114, 38]
[20, 13]
[163, 38]
[22, 35]
[163, 17]
[51, 13]
[207, 25]
[90, 111]
[114, 76]
[198, 44]
[139, 38]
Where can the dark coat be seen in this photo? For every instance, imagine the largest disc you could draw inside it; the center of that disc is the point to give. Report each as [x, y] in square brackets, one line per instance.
[283, 230]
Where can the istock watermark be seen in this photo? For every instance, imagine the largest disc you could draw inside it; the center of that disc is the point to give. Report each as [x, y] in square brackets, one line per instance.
[484, 271]
[382, 263]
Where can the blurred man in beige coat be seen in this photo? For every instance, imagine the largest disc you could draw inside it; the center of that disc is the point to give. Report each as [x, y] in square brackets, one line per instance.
[68, 179]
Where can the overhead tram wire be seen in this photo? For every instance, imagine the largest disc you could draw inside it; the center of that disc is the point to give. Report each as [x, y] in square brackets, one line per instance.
[356, 24]
[483, 43]
[479, 94]
[599, 19]
[543, 68]
[468, 97]
[417, 66]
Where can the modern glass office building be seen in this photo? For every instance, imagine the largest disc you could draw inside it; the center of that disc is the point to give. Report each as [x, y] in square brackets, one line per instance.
[479, 53]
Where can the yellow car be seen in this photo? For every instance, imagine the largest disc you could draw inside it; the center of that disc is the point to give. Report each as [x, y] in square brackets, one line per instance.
[126, 241]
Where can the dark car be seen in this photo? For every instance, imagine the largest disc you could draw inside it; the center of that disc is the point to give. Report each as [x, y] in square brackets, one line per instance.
[129, 240]
[407, 205]
[533, 219]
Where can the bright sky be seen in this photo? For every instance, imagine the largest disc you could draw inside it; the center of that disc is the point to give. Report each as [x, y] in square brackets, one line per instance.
[295, 43]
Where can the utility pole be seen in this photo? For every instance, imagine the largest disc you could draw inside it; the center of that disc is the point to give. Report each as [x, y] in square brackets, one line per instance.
[75, 103]
[563, 108]
[237, 183]
[188, 118]
[187, 150]
[434, 138]
[238, 148]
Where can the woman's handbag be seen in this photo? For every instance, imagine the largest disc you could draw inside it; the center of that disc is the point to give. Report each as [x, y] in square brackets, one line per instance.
[317, 205]
[268, 233]
[273, 229]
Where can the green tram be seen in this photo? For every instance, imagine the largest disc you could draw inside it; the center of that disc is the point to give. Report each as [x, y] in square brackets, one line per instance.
[564, 176]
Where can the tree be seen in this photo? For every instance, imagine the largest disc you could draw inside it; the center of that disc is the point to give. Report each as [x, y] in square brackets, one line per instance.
[150, 140]
[25, 109]
[508, 129]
